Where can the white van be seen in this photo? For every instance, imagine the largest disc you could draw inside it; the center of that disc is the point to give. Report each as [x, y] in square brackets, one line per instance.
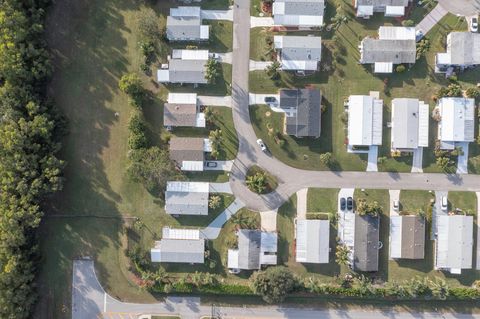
[444, 203]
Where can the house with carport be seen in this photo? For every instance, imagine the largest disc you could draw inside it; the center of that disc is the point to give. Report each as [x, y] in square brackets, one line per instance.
[184, 246]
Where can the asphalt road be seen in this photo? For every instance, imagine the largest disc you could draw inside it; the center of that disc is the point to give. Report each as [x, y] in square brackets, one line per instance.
[461, 7]
[89, 301]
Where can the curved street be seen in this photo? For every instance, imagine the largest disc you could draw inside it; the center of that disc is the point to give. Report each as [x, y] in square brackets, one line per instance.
[292, 179]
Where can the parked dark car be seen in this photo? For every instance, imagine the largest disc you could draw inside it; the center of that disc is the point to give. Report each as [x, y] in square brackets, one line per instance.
[211, 164]
[270, 99]
[343, 203]
[349, 203]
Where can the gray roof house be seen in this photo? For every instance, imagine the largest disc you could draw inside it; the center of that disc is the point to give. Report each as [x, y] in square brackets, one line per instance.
[312, 241]
[179, 246]
[185, 24]
[457, 121]
[188, 153]
[187, 198]
[409, 124]
[299, 52]
[181, 110]
[255, 248]
[391, 8]
[407, 237]
[298, 13]
[454, 243]
[303, 114]
[366, 243]
[395, 45]
[463, 50]
[185, 66]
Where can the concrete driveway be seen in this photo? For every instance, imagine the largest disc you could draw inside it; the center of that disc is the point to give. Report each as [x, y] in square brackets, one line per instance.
[372, 159]
[462, 160]
[261, 22]
[417, 161]
[215, 100]
[432, 18]
[255, 98]
[437, 211]
[217, 15]
[221, 166]
[461, 7]
[220, 188]
[394, 195]
[268, 220]
[302, 198]
[213, 230]
[259, 65]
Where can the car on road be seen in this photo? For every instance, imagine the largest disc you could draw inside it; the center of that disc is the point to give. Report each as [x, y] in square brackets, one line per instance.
[211, 164]
[350, 203]
[396, 205]
[474, 24]
[444, 203]
[343, 203]
[262, 145]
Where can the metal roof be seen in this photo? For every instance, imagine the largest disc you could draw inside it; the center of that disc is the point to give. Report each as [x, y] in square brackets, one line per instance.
[366, 245]
[179, 251]
[255, 248]
[187, 198]
[393, 51]
[185, 54]
[299, 52]
[312, 241]
[186, 11]
[396, 33]
[182, 98]
[381, 3]
[183, 71]
[185, 24]
[305, 105]
[454, 244]
[463, 48]
[188, 187]
[407, 237]
[409, 123]
[364, 120]
[457, 119]
[305, 13]
[180, 115]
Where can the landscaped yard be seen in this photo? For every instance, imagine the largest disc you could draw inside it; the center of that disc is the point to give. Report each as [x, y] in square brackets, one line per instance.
[348, 77]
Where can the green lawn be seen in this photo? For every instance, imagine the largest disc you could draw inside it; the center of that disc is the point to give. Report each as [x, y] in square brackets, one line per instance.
[322, 200]
[203, 221]
[223, 121]
[304, 152]
[414, 200]
[220, 40]
[215, 4]
[349, 77]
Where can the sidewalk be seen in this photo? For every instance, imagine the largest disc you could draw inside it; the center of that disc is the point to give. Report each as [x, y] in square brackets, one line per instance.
[431, 19]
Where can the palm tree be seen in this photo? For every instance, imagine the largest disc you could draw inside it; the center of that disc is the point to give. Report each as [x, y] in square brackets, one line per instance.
[341, 255]
[257, 183]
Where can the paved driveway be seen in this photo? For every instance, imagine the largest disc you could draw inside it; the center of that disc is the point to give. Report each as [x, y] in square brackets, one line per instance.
[259, 65]
[462, 161]
[302, 197]
[432, 18]
[221, 166]
[225, 57]
[213, 230]
[261, 22]
[417, 162]
[437, 211]
[215, 100]
[268, 220]
[220, 188]
[372, 159]
[461, 7]
[394, 195]
[217, 15]
[255, 98]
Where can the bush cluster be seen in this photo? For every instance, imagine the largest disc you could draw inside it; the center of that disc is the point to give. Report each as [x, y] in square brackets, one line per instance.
[29, 143]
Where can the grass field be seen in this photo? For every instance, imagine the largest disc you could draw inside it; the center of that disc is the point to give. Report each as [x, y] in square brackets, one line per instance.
[348, 78]
[322, 200]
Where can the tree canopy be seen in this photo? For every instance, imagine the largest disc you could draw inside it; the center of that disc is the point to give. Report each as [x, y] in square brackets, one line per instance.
[273, 284]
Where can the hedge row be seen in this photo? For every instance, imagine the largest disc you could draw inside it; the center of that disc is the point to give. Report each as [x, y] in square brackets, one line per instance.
[29, 167]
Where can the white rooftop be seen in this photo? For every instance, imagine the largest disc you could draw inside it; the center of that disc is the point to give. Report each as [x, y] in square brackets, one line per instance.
[364, 120]
[184, 11]
[188, 187]
[454, 244]
[180, 233]
[312, 241]
[457, 119]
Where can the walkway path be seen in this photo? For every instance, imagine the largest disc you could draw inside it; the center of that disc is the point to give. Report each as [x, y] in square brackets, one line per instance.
[260, 22]
[213, 230]
[437, 211]
[432, 18]
[259, 65]
[394, 195]
[462, 162]
[417, 161]
[90, 301]
[372, 161]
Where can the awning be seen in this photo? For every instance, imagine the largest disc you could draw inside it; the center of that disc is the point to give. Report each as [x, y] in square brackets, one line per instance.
[383, 67]
[394, 11]
[364, 11]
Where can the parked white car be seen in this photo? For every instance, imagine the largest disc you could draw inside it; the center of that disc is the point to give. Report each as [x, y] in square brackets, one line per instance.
[444, 203]
[474, 24]
[262, 145]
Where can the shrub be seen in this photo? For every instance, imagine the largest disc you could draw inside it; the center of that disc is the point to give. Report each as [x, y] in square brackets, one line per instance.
[400, 68]
[131, 85]
[364, 208]
[213, 71]
[148, 25]
[472, 92]
[451, 90]
[326, 158]
[137, 138]
[408, 23]
[273, 284]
